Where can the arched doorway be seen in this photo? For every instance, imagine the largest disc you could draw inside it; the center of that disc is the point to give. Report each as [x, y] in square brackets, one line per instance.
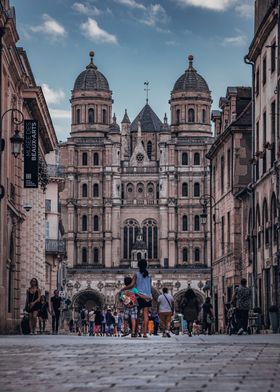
[178, 297]
[89, 298]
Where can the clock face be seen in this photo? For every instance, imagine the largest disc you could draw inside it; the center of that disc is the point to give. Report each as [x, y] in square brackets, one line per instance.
[140, 157]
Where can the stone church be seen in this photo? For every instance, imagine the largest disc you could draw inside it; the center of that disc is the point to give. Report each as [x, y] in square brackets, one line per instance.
[134, 190]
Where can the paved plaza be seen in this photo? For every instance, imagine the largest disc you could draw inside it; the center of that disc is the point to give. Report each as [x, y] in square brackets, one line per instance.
[84, 364]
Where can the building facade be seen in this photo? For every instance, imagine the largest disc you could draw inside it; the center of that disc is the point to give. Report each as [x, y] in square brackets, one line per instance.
[134, 190]
[22, 233]
[264, 228]
[230, 157]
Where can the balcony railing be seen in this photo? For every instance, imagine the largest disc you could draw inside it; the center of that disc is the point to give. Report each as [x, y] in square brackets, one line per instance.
[55, 246]
[55, 171]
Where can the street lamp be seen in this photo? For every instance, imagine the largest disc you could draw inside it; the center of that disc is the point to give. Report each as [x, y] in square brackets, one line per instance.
[203, 217]
[16, 140]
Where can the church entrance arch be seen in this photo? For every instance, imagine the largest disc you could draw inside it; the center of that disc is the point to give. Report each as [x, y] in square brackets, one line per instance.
[88, 298]
[178, 298]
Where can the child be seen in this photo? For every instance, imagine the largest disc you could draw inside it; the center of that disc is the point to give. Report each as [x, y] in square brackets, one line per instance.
[150, 325]
[129, 300]
[196, 328]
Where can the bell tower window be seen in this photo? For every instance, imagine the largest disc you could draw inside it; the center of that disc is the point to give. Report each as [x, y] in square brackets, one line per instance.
[91, 116]
[178, 116]
[203, 116]
[78, 116]
[149, 149]
[104, 116]
[191, 116]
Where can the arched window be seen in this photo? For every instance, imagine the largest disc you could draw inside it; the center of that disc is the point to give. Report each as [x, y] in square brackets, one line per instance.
[184, 189]
[185, 158]
[84, 190]
[196, 158]
[274, 218]
[197, 255]
[197, 223]
[196, 189]
[95, 190]
[95, 223]
[191, 115]
[95, 255]
[150, 191]
[149, 149]
[258, 215]
[96, 159]
[185, 255]
[84, 255]
[265, 222]
[178, 116]
[84, 159]
[185, 223]
[104, 116]
[84, 223]
[204, 116]
[78, 116]
[150, 237]
[130, 232]
[91, 116]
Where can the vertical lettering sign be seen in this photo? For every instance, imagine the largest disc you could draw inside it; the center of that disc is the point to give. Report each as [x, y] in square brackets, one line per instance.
[30, 154]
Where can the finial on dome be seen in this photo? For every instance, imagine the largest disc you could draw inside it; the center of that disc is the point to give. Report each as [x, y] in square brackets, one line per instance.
[190, 58]
[114, 118]
[91, 64]
[165, 118]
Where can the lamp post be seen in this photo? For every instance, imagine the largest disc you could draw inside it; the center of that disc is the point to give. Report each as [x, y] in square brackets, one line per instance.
[206, 201]
[16, 140]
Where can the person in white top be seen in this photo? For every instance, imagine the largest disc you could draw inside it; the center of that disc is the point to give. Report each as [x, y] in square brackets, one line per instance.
[91, 319]
[165, 311]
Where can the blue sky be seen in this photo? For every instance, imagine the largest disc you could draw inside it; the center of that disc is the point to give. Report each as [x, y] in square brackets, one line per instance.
[134, 41]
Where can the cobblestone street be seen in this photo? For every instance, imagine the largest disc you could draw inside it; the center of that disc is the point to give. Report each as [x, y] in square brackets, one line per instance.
[83, 364]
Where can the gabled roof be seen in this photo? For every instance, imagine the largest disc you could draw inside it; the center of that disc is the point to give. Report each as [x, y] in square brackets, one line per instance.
[148, 119]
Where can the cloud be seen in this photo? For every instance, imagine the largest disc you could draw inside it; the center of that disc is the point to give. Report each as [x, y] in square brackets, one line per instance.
[60, 114]
[171, 43]
[51, 95]
[131, 4]
[238, 40]
[246, 10]
[215, 5]
[155, 14]
[86, 9]
[92, 31]
[50, 27]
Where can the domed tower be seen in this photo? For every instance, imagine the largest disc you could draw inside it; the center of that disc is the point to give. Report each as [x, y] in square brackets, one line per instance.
[91, 102]
[191, 104]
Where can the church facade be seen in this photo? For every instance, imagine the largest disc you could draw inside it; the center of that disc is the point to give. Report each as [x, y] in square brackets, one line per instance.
[134, 190]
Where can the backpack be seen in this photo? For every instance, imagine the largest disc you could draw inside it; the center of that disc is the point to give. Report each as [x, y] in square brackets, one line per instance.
[129, 299]
[83, 314]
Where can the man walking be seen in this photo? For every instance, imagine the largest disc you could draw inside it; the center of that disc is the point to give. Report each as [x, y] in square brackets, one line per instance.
[242, 298]
[55, 307]
[165, 310]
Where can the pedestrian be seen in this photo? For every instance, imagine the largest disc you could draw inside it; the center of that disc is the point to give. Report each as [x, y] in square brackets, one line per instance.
[55, 308]
[43, 313]
[120, 323]
[207, 316]
[98, 322]
[143, 283]
[190, 308]
[128, 297]
[110, 322]
[242, 298]
[103, 323]
[83, 317]
[155, 318]
[196, 328]
[91, 319]
[32, 304]
[71, 326]
[115, 315]
[151, 325]
[166, 311]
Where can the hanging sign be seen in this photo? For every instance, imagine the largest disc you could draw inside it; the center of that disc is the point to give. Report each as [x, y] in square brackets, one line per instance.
[30, 149]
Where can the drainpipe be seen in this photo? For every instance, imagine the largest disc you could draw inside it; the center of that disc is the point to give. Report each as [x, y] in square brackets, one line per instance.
[253, 195]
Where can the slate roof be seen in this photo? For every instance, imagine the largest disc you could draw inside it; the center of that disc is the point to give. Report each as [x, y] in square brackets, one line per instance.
[91, 79]
[191, 80]
[148, 119]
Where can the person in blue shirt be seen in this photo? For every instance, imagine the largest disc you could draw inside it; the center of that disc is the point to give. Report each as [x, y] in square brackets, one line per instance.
[143, 283]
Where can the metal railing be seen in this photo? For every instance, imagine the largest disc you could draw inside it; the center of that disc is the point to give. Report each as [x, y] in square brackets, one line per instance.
[55, 246]
[55, 171]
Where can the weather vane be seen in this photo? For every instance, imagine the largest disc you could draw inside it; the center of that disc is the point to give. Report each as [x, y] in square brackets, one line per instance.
[147, 90]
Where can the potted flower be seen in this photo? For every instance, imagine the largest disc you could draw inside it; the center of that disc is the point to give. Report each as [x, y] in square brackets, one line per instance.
[273, 316]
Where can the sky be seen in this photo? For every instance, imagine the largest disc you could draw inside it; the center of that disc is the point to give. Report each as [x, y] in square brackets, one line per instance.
[134, 41]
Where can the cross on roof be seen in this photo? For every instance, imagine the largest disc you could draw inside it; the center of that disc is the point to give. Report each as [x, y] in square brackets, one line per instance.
[147, 90]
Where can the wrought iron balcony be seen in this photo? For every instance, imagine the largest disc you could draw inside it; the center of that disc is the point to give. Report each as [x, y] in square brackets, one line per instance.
[55, 171]
[55, 246]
